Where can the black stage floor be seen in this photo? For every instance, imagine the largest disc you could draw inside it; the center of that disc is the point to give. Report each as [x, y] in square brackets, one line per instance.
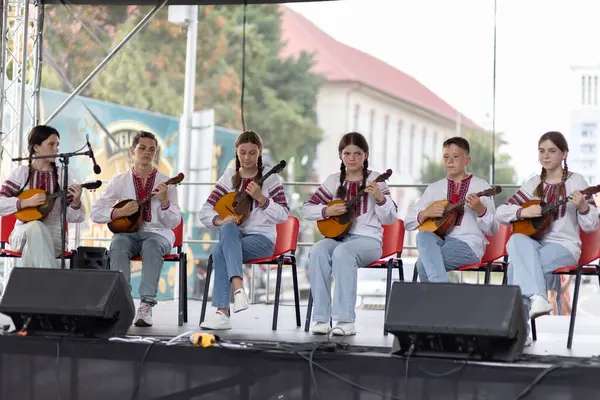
[261, 364]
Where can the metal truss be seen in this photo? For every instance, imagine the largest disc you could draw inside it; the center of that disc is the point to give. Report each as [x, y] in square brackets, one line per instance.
[20, 63]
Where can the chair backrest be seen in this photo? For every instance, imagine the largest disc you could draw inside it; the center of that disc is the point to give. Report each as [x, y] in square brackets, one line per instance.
[6, 227]
[178, 231]
[590, 246]
[496, 247]
[287, 236]
[393, 239]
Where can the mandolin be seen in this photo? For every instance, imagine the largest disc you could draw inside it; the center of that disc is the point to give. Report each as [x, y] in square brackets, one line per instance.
[441, 225]
[536, 227]
[133, 223]
[40, 212]
[337, 227]
[239, 204]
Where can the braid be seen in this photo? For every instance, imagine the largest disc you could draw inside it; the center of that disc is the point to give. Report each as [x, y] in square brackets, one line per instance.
[236, 180]
[539, 190]
[341, 192]
[365, 174]
[565, 175]
[259, 165]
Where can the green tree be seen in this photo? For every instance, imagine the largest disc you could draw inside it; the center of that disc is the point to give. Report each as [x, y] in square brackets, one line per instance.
[481, 157]
[279, 94]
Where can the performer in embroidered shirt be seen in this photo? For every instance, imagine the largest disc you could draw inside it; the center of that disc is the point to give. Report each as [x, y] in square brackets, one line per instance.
[40, 241]
[358, 249]
[532, 261]
[253, 238]
[465, 242]
[155, 238]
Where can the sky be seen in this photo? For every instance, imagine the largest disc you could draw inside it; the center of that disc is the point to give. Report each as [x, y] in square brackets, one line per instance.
[448, 45]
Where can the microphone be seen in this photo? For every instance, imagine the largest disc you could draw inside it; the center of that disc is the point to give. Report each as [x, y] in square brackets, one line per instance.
[97, 168]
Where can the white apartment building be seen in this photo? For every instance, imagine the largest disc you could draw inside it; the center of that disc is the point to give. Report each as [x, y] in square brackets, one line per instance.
[584, 138]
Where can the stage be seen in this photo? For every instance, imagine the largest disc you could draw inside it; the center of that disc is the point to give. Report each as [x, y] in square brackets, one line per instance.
[258, 363]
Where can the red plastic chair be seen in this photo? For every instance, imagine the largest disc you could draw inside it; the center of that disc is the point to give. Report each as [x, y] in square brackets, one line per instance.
[393, 244]
[495, 250]
[283, 254]
[7, 224]
[590, 251]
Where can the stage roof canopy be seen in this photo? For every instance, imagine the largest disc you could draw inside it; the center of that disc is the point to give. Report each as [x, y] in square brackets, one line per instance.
[178, 2]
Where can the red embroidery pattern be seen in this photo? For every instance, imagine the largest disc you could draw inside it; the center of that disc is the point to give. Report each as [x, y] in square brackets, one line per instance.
[141, 192]
[462, 193]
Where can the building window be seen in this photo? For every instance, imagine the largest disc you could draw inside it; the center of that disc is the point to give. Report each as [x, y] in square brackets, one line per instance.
[386, 124]
[590, 180]
[356, 117]
[435, 145]
[423, 146]
[399, 145]
[589, 90]
[587, 165]
[583, 90]
[588, 148]
[411, 153]
[588, 131]
[372, 129]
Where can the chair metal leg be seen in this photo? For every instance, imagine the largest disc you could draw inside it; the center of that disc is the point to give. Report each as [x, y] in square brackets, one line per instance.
[574, 308]
[180, 300]
[185, 289]
[400, 269]
[209, 268]
[533, 329]
[488, 273]
[308, 311]
[388, 288]
[415, 274]
[277, 292]
[296, 292]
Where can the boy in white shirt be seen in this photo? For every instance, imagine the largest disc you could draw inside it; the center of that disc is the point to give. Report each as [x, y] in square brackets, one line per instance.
[160, 216]
[465, 242]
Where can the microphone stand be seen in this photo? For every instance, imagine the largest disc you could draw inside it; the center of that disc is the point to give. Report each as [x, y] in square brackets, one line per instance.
[64, 160]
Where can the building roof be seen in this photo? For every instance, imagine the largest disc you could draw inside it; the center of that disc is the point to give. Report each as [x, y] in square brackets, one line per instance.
[340, 62]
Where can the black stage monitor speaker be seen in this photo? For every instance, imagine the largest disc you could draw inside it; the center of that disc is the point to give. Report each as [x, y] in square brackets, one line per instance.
[90, 258]
[480, 322]
[75, 302]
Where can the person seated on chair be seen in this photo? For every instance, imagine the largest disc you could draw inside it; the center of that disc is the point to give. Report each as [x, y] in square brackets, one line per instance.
[160, 216]
[465, 241]
[532, 260]
[359, 248]
[39, 241]
[239, 241]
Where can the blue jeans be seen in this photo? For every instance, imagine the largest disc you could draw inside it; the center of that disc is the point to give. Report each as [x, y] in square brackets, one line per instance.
[152, 247]
[343, 258]
[228, 256]
[437, 255]
[531, 266]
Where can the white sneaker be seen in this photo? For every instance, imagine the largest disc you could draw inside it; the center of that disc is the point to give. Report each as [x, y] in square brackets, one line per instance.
[528, 341]
[320, 328]
[218, 321]
[539, 307]
[240, 301]
[143, 317]
[344, 329]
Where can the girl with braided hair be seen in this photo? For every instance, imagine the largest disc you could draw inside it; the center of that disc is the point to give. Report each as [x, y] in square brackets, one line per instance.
[533, 261]
[39, 241]
[358, 249]
[254, 237]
